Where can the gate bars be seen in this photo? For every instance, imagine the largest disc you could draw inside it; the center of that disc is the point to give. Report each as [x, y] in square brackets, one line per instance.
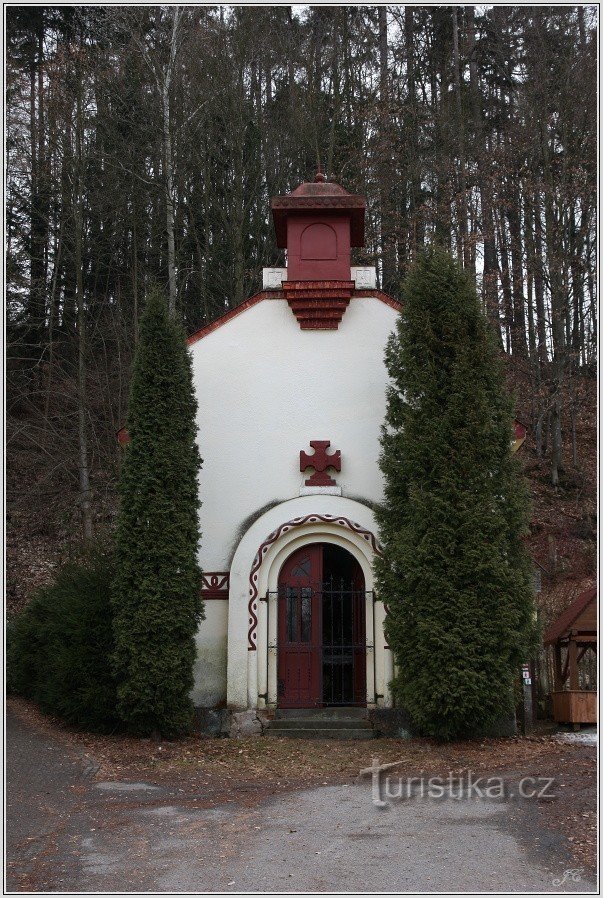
[342, 648]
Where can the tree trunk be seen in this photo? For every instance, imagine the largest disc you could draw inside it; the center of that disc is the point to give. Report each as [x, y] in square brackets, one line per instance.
[539, 282]
[388, 254]
[505, 280]
[165, 83]
[519, 320]
[558, 311]
[169, 201]
[416, 224]
[52, 317]
[464, 250]
[82, 411]
[134, 278]
[490, 275]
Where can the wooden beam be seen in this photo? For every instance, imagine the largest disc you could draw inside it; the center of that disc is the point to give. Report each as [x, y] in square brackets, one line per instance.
[586, 636]
[574, 682]
[565, 669]
[584, 649]
[557, 667]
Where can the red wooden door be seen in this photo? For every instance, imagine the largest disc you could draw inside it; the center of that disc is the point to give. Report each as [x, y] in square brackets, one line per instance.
[299, 630]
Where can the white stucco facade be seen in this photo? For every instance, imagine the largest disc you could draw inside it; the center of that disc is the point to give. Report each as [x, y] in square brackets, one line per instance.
[265, 388]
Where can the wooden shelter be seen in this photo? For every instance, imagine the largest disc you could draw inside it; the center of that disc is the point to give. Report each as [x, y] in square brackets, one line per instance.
[574, 631]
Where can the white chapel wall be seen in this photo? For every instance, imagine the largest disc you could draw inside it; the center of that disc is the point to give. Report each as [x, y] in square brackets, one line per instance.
[209, 690]
[265, 388]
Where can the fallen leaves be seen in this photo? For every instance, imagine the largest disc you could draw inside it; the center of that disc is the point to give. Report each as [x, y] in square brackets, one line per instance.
[248, 770]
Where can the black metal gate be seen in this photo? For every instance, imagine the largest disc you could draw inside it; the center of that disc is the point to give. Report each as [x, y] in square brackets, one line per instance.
[337, 661]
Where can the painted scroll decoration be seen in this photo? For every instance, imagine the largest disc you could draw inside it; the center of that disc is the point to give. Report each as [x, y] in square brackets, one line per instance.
[215, 584]
[252, 606]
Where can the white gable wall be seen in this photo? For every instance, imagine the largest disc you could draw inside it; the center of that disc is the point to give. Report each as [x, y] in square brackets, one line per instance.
[265, 388]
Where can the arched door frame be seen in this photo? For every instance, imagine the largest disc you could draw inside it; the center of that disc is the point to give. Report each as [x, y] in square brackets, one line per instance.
[254, 569]
[268, 633]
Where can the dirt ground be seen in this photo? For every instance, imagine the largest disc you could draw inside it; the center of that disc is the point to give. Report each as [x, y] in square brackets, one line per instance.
[250, 770]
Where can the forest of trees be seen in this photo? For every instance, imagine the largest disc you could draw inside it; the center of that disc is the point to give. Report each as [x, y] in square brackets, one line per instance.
[144, 145]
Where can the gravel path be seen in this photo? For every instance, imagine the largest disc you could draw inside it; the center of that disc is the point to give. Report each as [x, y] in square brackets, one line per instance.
[587, 736]
[68, 832]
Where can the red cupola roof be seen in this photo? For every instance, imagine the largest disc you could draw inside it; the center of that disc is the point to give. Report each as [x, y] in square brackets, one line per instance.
[318, 223]
[319, 197]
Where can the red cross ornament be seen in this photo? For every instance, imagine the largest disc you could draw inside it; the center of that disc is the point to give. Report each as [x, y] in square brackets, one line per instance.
[320, 461]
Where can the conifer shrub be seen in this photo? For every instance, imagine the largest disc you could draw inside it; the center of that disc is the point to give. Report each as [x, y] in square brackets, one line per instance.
[26, 639]
[454, 573]
[59, 647]
[156, 600]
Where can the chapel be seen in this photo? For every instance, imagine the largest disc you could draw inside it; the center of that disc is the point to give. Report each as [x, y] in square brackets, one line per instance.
[291, 389]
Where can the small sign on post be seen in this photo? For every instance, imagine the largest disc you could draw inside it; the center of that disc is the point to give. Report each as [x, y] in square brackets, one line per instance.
[528, 704]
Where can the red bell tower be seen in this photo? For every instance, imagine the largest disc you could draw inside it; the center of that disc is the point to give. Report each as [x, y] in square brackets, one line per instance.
[317, 224]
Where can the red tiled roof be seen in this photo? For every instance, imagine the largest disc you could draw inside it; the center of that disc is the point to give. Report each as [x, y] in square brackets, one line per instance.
[567, 618]
[323, 197]
[232, 313]
[279, 294]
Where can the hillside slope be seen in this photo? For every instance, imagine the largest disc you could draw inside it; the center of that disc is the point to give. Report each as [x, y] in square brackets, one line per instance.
[43, 528]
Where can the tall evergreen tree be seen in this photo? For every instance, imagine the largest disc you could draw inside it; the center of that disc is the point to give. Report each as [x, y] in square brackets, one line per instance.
[454, 574]
[157, 600]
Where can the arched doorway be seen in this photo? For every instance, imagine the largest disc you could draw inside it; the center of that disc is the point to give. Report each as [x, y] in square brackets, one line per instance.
[321, 642]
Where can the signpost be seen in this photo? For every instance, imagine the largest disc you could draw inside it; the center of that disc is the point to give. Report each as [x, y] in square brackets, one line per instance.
[528, 704]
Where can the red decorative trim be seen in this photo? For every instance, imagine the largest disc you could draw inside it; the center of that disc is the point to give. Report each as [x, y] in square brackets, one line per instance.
[360, 293]
[215, 584]
[329, 201]
[386, 609]
[232, 313]
[279, 294]
[320, 203]
[318, 305]
[252, 606]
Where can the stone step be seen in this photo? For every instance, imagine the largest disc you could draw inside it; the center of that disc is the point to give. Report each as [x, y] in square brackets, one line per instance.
[325, 310]
[292, 286]
[312, 298]
[320, 324]
[335, 713]
[318, 723]
[314, 306]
